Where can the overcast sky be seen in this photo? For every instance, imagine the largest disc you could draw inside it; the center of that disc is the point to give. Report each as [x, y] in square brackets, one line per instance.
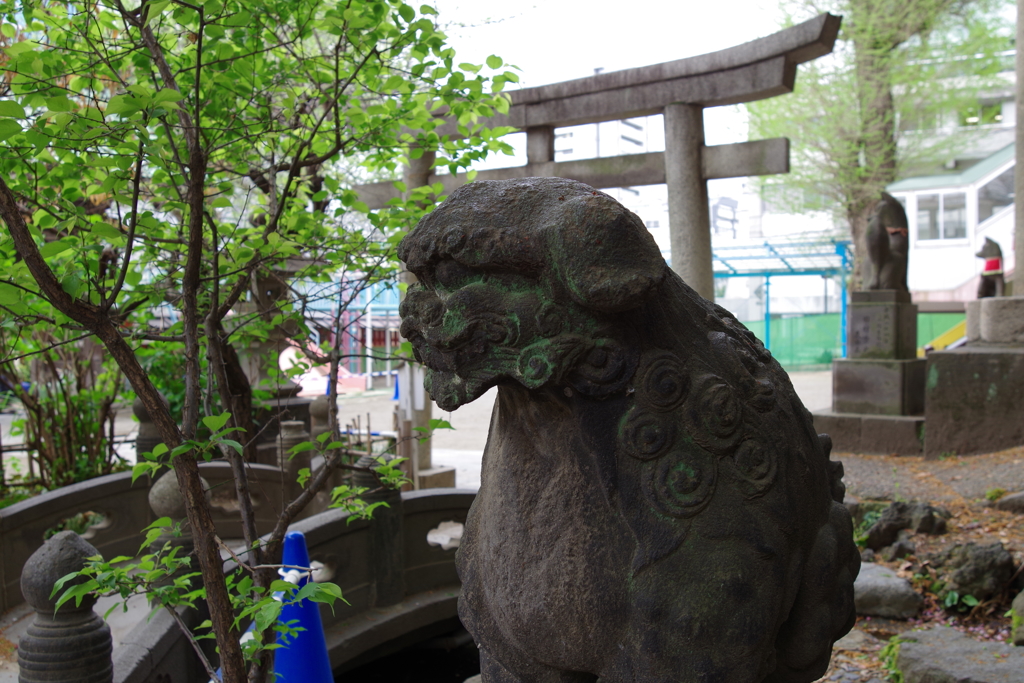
[557, 40]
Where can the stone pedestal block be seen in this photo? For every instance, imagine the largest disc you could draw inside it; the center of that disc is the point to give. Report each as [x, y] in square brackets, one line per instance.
[975, 400]
[872, 434]
[1002, 320]
[878, 387]
[973, 311]
[437, 478]
[882, 325]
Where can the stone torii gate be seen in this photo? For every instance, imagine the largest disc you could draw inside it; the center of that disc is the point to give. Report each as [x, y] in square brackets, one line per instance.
[680, 90]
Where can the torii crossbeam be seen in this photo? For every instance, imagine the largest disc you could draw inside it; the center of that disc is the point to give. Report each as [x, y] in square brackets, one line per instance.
[680, 90]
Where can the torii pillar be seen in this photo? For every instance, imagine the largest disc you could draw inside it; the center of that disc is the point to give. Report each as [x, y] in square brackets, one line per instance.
[688, 213]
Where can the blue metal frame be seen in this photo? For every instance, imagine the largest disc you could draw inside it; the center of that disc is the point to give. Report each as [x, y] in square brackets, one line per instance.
[827, 259]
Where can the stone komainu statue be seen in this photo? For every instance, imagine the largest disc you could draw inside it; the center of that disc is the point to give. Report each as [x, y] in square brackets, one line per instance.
[888, 245]
[655, 505]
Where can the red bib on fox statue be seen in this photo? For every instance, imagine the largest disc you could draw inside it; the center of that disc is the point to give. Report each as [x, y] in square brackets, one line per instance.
[655, 505]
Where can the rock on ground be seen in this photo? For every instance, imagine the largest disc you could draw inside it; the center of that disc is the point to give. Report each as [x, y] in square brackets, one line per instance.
[878, 592]
[1013, 502]
[921, 517]
[945, 655]
[978, 570]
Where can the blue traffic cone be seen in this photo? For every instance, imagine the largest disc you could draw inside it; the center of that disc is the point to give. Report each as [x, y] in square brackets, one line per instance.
[301, 658]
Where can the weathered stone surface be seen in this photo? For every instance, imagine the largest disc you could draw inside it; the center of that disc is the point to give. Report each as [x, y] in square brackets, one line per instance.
[973, 313]
[919, 517]
[882, 325]
[900, 549]
[878, 592]
[945, 655]
[972, 569]
[872, 434]
[1018, 620]
[878, 387]
[71, 644]
[1002, 320]
[652, 492]
[1011, 502]
[165, 497]
[974, 400]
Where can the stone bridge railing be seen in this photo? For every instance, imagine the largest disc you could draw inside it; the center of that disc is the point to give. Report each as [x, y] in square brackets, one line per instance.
[125, 510]
[400, 589]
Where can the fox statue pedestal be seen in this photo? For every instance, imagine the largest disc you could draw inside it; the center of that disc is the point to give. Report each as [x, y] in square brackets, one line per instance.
[878, 392]
[975, 393]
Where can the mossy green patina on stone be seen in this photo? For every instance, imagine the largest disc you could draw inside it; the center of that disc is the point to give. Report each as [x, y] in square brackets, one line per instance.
[655, 505]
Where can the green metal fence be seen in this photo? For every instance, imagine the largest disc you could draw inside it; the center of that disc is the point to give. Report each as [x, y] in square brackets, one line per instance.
[813, 340]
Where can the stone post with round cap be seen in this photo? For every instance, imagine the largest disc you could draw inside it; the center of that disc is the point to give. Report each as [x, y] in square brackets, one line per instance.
[72, 643]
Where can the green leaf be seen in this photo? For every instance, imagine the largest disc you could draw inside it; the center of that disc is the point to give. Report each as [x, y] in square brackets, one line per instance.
[161, 523]
[141, 468]
[11, 109]
[299, 448]
[8, 128]
[59, 104]
[969, 600]
[122, 104]
[494, 62]
[8, 31]
[51, 249]
[268, 613]
[10, 295]
[107, 231]
[233, 444]
[407, 13]
[167, 95]
[215, 422]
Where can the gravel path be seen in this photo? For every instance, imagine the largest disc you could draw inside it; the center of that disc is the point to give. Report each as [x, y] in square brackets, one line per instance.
[958, 479]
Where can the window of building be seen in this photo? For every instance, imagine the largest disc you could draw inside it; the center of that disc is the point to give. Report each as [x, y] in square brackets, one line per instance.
[982, 115]
[941, 216]
[927, 216]
[995, 194]
[954, 216]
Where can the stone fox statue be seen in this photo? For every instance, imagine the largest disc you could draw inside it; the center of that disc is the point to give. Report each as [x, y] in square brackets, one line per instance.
[991, 282]
[655, 505]
[888, 245]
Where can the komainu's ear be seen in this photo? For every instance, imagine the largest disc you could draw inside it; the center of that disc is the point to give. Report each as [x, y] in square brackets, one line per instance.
[605, 257]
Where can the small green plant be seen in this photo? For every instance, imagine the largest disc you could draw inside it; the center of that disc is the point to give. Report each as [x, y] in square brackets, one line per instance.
[961, 603]
[946, 455]
[16, 494]
[889, 656]
[992, 495]
[79, 523]
[860, 534]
